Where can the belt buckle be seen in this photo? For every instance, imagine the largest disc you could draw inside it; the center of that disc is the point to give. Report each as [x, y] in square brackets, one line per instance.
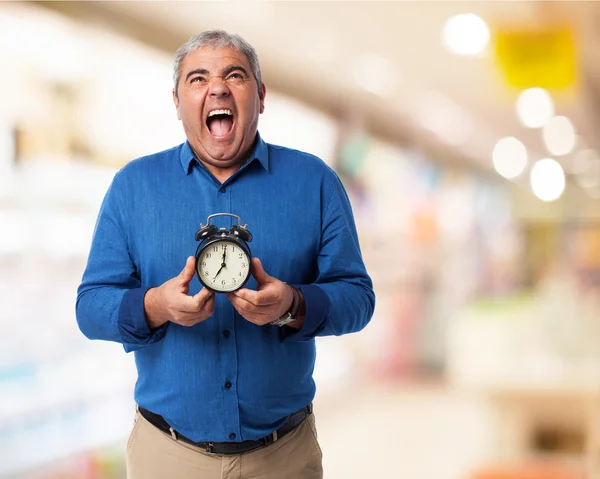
[210, 447]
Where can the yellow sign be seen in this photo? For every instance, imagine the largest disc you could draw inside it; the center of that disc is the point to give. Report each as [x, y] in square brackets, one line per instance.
[542, 58]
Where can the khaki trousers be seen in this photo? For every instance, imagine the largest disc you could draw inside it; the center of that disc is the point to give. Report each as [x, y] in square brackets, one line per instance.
[152, 454]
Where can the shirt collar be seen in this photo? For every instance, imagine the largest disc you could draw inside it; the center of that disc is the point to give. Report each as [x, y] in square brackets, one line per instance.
[260, 152]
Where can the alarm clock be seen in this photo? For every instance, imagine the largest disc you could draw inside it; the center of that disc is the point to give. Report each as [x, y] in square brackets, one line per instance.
[223, 258]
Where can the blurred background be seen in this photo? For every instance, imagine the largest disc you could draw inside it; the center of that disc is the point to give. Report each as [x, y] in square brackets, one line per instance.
[466, 136]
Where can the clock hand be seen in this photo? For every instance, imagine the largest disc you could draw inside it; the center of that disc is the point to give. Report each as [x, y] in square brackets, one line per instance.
[222, 266]
[224, 252]
[218, 273]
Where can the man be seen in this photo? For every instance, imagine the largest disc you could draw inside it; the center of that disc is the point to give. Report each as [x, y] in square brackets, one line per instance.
[225, 384]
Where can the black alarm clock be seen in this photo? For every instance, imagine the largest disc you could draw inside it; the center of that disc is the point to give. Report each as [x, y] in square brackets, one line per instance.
[223, 258]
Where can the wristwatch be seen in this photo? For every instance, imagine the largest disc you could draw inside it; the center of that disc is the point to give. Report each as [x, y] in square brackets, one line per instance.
[292, 313]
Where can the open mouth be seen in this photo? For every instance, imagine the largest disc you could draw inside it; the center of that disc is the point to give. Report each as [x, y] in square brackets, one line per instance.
[219, 122]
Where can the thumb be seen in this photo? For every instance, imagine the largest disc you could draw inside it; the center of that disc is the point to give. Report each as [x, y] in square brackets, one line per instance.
[187, 273]
[259, 273]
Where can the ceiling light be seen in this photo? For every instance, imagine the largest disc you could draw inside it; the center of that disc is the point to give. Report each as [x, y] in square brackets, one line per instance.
[535, 107]
[559, 135]
[509, 157]
[547, 179]
[465, 34]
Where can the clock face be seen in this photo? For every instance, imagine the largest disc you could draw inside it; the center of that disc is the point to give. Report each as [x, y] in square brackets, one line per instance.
[223, 266]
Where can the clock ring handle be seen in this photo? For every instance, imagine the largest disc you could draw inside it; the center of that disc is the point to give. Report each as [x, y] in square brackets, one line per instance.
[223, 214]
[238, 230]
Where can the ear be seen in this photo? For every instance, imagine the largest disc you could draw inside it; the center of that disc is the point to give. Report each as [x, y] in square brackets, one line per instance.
[176, 101]
[262, 92]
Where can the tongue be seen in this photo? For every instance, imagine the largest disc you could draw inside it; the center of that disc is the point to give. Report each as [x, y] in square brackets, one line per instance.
[220, 126]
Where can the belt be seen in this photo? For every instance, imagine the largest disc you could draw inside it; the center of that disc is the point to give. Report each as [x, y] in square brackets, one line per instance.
[226, 448]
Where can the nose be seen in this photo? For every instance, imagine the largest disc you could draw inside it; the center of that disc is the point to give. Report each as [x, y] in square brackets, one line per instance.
[218, 87]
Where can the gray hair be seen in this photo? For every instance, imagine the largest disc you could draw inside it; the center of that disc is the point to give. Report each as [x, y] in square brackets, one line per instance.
[216, 39]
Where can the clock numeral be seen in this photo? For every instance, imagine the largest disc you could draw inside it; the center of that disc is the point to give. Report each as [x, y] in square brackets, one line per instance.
[241, 256]
[233, 249]
[240, 274]
[206, 273]
[208, 255]
[223, 282]
[216, 249]
[234, 280]
[203, 263]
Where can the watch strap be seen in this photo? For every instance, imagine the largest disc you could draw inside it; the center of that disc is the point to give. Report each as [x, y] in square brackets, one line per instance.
[292, 313]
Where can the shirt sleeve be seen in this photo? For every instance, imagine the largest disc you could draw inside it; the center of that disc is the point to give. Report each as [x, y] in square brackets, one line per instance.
[110, 300]
[341, 300]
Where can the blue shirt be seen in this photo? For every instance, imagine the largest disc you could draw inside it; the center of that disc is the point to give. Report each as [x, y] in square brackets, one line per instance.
[225, 378]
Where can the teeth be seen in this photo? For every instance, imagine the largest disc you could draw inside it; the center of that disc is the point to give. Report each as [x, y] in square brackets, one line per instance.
[220, 112]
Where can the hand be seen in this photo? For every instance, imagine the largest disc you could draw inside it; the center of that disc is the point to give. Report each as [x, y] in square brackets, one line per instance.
[171, 302]
[269, 302]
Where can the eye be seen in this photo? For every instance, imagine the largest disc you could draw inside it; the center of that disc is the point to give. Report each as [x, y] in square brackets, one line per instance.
[198, 80]
[236, 77]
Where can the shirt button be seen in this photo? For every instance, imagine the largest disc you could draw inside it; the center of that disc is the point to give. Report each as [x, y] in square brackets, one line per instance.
[222, 189]
[227, 385]
[232, 435]
[226, 333]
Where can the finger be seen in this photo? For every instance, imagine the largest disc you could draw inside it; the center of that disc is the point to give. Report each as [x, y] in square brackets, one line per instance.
[259, 272]
[187, 273]
[240, 302]
[236, 304]
[203, 295]
[248, 311]
[208, 308]
[189, 318]
[255, 298]
[192, 320]
[204, 298]
[193, 304]
[245, 308]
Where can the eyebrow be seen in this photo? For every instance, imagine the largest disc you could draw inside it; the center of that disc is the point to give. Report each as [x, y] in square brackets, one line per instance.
[226, 71]
[197, 71]
[233, 68]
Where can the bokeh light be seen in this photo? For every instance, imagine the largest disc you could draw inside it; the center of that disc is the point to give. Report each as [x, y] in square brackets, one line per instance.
[509, 157]
[465, 34]
[547, 179]
[559, 135]
[586, 168]
[535, 107]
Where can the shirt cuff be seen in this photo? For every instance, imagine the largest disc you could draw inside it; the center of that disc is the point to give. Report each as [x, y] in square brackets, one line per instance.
[133, 326]
[317, 312]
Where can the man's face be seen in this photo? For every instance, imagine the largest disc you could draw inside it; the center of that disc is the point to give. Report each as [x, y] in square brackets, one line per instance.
[218, 102]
